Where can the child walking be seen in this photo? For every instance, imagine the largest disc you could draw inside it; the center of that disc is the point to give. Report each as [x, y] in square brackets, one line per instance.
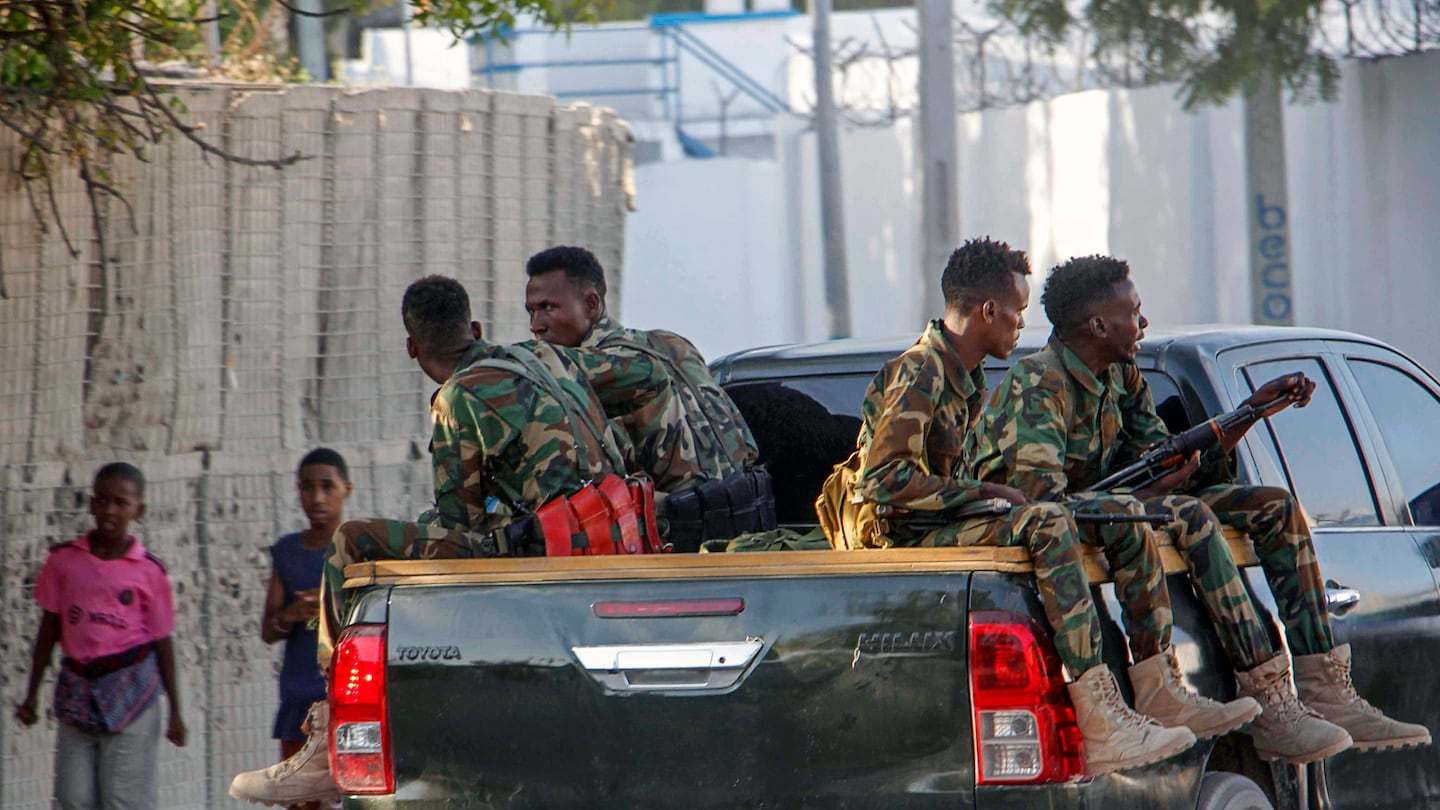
[107, 601]
[293, 599]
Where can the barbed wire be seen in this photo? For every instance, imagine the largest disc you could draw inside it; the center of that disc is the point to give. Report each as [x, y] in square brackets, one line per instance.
[997, 65]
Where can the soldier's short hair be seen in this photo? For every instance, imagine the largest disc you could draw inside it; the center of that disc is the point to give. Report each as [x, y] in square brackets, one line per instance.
[328, 458]
[121, 471]
[435, 309]
[980, 270]
[1074, 287]
[580, 266]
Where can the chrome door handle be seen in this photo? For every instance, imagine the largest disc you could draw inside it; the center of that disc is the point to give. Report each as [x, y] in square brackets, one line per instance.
[653, 667]
[1341, 599]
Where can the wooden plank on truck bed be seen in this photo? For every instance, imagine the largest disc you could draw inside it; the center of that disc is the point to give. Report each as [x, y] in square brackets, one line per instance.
[743, 565]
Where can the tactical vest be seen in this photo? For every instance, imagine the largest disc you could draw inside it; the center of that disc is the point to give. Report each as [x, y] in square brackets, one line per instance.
[608, 514]
[742, 502]
[713, 414]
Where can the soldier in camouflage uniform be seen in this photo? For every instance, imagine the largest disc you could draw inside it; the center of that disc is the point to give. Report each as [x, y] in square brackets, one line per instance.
[702, 434]
[687, 431]
[1071, 414]
[507, 437]
[514, 428]
[913, 448]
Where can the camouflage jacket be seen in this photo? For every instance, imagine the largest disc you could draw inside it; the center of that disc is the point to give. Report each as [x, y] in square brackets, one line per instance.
[915, 439]
[640, 400]
[690, 431]
[503, 446]
[1054, 428]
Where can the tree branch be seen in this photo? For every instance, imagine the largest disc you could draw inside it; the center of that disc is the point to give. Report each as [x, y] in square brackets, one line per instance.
[55, 212]
[205, 146]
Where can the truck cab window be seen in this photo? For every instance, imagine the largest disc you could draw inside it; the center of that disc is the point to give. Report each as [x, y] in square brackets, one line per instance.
[1168, 404]
[1317, 448]
[1406, 411]
[803, 427]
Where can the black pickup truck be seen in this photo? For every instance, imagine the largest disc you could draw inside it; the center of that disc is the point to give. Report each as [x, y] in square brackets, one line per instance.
[879, 678]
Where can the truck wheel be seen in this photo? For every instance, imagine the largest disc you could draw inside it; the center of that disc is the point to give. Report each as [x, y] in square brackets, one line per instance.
[1220, 790]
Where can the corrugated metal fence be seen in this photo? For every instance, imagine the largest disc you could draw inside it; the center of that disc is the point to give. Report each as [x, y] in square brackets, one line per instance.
[246, 316]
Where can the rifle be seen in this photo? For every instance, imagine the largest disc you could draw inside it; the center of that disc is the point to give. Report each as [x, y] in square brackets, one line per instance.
[1159, 459]
[1165, 455]
[991, 507]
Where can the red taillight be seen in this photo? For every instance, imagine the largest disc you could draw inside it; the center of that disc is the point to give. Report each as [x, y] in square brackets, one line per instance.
[359, 725]
[1025, 729]
[669, 608]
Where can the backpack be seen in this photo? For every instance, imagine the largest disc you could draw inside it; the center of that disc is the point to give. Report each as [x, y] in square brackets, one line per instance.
[848, 523]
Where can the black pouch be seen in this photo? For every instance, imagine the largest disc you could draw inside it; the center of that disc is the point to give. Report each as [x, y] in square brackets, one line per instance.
[520, 538]
[741, 492]
[685, 518]
[718, 525]
[764, 497]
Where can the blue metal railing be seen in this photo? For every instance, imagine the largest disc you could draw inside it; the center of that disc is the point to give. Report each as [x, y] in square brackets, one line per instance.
[675, 41]
[664, 92]
[724, 68]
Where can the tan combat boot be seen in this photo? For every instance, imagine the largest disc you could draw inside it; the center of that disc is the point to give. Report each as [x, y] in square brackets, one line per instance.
[1286, 729]
[1115, 735]
[304, 777]
[1161, 695]
[1323, 681]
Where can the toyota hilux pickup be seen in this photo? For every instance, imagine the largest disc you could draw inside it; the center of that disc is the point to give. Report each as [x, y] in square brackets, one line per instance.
[897, 678]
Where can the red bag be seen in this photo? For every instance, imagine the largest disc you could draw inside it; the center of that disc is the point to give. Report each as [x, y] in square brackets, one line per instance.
[590, 520]
[559, 526]
[622, 511]
[642, 494]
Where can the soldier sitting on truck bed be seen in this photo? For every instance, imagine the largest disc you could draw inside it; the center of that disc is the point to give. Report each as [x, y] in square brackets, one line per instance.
[1066, 417]
[699, 450]
[513, 433]
[908, 484]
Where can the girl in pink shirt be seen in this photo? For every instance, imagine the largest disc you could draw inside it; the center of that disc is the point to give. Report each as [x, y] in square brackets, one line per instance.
[107, 602]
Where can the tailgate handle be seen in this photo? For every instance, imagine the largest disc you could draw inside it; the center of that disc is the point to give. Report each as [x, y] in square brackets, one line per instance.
[653, 667]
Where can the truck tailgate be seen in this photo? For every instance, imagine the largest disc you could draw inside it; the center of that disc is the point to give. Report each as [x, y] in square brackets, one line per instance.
[583, 693]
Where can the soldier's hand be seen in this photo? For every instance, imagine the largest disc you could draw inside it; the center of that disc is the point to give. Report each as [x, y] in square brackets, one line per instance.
[1014, 496]
[1172, 480]
[26, 713]
[1282, 392]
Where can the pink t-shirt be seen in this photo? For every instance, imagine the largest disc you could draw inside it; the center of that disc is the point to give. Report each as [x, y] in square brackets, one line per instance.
[105, 606]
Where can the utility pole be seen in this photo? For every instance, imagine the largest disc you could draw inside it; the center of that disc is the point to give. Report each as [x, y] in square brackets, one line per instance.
[310, 39]
[406, 23]
[1267, 205]
[940, 223]
[210, 33]
[832, 210]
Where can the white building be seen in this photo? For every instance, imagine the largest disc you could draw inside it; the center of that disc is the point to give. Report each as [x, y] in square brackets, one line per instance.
[735, 238]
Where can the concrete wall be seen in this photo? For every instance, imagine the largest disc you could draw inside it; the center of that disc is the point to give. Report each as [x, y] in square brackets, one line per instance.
[739, 295]
[248, 316]
[1125, 172]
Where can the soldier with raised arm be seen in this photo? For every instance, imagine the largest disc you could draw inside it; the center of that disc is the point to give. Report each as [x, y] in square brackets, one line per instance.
[1066, 417]
[909, 483]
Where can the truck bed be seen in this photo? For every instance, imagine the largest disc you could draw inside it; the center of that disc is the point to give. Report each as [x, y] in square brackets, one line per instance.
[509, 684]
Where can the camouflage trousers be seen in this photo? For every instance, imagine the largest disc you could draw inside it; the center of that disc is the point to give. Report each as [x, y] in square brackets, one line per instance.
[1274, 522]
[1048, 532]
[381, 539]
[1133, 555]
